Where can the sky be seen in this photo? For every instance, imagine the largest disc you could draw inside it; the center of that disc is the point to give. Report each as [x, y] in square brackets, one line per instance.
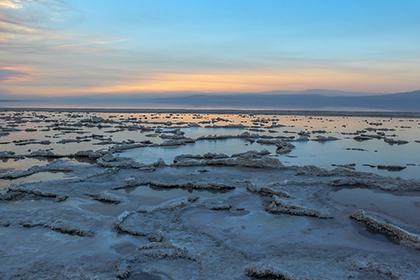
[85, 47]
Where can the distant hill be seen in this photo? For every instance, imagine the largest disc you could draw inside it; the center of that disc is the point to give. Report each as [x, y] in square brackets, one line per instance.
[408, 101]
[315, 99]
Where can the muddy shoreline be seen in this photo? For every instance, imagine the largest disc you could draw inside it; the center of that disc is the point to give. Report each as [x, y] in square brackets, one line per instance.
[225, 111]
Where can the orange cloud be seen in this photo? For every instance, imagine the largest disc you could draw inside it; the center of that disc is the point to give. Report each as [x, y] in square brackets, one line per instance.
[237, 82]
[245, 81]
[10, 4]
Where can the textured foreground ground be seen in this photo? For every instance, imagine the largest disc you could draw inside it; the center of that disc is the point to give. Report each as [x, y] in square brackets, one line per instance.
[212, 216]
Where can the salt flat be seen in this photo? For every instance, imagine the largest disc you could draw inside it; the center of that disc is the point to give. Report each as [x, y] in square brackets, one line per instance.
[161, 195]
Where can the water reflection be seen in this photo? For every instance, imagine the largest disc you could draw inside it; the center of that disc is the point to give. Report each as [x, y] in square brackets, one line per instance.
[118, 127]
[402, 207]
[227, 146]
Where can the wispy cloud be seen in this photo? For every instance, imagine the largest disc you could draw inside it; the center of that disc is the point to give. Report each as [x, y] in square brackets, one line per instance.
[50, 47]
[59, 59]
[11, 4]
[12, 73]
[250, 81]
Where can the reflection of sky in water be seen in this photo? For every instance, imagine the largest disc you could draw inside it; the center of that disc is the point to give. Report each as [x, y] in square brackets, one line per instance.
[20, 163]
[227, 146]
[334, 152]
[195, 132]
[37, 177]
[398, 206]
[305, 153]
[320, 154]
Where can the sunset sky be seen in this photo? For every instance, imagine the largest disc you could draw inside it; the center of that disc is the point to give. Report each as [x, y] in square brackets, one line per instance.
[79, 47]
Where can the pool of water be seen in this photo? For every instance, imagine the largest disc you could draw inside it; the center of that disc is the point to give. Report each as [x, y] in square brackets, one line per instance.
[401, 207]
[37, 177]
[325, 155]
[226, 146]
[375, 152]
[118, 127]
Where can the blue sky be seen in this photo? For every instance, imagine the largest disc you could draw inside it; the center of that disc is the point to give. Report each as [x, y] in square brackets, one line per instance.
[57, 47]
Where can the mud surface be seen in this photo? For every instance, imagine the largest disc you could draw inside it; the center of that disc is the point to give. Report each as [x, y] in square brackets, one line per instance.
[96, 196]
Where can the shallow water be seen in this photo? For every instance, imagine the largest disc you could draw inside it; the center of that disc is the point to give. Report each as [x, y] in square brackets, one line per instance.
[126, 126]
[226, 146]
[20, 164]
[376, 153]
[37, 177]
[215, 236]
[401, 207]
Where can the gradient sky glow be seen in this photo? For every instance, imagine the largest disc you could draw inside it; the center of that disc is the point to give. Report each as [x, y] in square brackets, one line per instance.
[77, 47]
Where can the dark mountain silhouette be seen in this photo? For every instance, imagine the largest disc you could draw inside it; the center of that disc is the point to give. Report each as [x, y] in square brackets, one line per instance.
[315, 99]
[408, 101]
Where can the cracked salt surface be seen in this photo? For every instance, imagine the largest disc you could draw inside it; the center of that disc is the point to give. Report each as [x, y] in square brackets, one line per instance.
[87, 213]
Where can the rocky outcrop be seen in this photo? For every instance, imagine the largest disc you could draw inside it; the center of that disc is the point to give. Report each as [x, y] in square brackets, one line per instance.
[376, 182]
[321, 138]
[126, 146]
[165, 250]
[169, 205]
[186, 157]
[218, 206]
[279, 206]
[89, 154]
[261, 271]
[121, 227]
[8, 154]
[392, 141]
[313, 170]
[177, 142]
[45, 154]
[267, 191]
[192, 186]
[282, 147]
[250, 159]
[54, 166]
[148, 221]
[21, 193]
[62, 220]
[387, 228]
[14, 174]
[25, 142]
[105, 198]
[111, 161]
[391, 167]
[60, 227]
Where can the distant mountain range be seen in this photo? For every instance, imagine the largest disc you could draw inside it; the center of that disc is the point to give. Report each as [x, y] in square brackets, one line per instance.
[316, 99]
[407, 101]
